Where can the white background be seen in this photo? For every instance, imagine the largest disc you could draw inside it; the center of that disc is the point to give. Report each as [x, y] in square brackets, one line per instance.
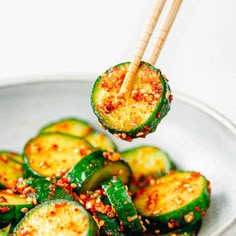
[58, 37]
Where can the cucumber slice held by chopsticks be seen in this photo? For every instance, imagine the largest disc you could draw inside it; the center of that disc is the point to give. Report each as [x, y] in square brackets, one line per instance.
[137, 114]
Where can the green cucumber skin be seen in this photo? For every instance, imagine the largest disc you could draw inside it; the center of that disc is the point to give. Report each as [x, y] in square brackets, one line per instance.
[123, 205]
[158, 114]
[14, 156]
[14, 214]
[85, 170]
[111, 225]
[160, 222]
[2, 233]
[110, 143]
[132, 153]
[45, 190]
[202, 202]
[189, 230]
[93, 229]
[45, 128]
[171, 166]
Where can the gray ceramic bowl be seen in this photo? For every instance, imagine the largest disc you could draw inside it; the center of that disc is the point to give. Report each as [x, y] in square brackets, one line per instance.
[196, 137]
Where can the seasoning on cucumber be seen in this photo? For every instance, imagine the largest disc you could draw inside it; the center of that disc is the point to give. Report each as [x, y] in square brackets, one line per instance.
[147, 163]
[173, 201]
[13, 206]
[10, 169]
[57, 217]
[139, 113]
[53, 154]
[122, 203]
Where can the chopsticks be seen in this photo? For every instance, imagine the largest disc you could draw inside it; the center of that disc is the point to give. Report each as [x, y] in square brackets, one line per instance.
[162, 34]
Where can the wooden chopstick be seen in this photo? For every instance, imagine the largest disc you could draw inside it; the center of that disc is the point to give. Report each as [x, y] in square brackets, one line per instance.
[143, 43]
[164, 30]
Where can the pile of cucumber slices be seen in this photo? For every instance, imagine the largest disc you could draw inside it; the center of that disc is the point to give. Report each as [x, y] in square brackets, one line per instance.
[72, 180]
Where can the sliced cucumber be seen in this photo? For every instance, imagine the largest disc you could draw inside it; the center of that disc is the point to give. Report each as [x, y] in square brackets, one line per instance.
[88, 173]
[146, 162]
[101, 141]
[173, 201]
[72, 126]
[53, 154]
[13, 206]
[57, 217]
[10, 169]
[123, 205]
[111, 225]
[139, 113]
[46, 190]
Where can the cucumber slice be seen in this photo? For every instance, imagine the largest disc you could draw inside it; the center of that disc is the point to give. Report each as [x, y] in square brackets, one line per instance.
[57, 217]
[147, 163]
[46, 190]
[141, 112]
[72, 126]
[101, 141]
[88, 173]
[10, 169]
[111, 225]
[123, 205]
[13, 206]
[53, 154]
[173, 201]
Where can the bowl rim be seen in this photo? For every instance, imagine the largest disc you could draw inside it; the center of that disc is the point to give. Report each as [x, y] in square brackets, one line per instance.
[88, 78]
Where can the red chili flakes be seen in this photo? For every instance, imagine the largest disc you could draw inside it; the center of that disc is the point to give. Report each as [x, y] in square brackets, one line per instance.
[76, 209]
[203, 213]
[195, 175]
[52, 213]
[121, 228]
[173, 224]
[52, 187]
[208, 186]
[4, 209]
[140, 192]
[146, 129]
[84, 151]
[27, 190]
[3, 159]
[54, 146]
[62, 126]
[61, 204]
[158, 114]
[129, 219]
[108, 107]
[44, 164]
[197, 208]
[2, 199]
[112, 156]
[152, 200]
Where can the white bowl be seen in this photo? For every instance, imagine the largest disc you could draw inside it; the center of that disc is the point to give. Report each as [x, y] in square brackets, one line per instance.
[196, 137]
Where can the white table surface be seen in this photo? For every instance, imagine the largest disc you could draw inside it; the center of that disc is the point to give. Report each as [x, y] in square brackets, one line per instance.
[68, 37]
